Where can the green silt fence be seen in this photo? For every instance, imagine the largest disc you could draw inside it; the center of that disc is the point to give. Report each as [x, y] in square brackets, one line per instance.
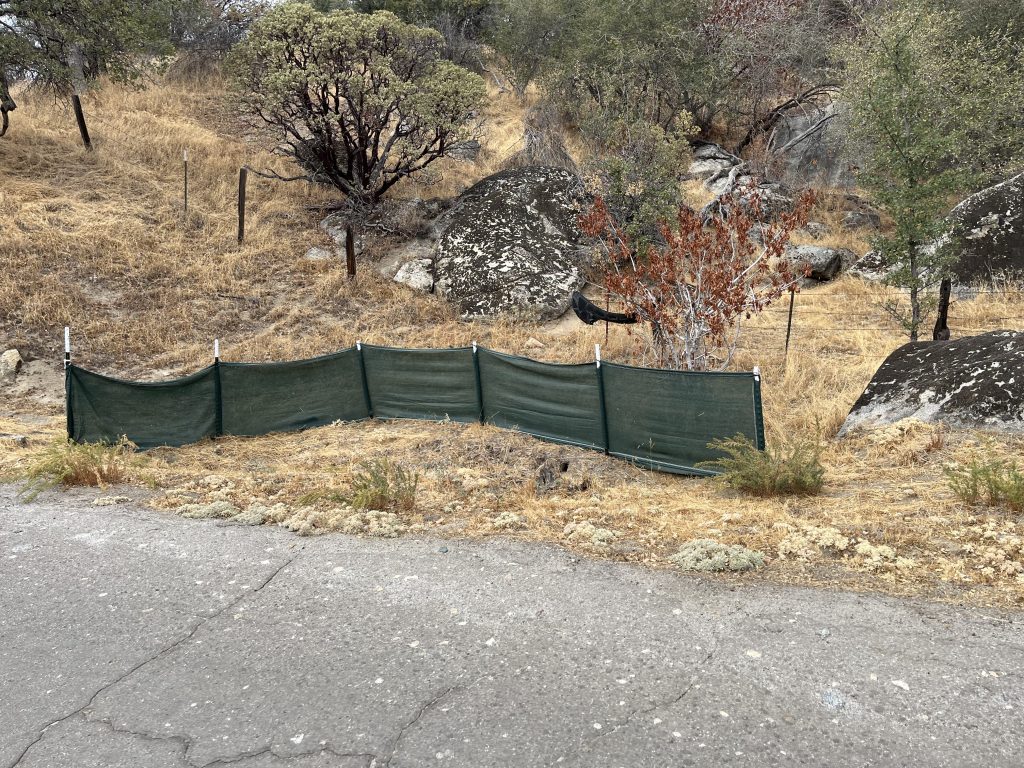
[658, 419]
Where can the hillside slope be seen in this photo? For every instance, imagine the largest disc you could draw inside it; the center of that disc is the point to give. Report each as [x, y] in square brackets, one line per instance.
[98, 241]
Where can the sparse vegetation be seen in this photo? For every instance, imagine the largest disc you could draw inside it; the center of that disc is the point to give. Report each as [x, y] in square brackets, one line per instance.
[89, 240]
[381, 484]
[791, 469]
[993, 482]
[707, 556]
[67, 464]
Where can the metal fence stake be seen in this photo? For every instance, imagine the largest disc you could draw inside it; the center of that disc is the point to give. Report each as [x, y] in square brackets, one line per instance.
[479, 383]
[600, 397]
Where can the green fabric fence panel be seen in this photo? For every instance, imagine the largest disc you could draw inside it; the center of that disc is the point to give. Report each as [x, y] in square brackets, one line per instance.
[665, 419]
[150, 414]
[435, 384]
[554, 402]
[278, 397]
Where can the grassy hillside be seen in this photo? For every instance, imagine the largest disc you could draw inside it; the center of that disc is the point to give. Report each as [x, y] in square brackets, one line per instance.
[97, 241]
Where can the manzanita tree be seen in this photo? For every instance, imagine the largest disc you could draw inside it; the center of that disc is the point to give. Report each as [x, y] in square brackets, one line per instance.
[360, 101]
[692, 290]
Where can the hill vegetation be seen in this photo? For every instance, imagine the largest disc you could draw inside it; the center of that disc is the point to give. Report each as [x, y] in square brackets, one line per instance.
[98, 240]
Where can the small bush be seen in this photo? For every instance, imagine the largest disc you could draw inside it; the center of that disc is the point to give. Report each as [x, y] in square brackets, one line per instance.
[992, 482]
[792, 470]
[383, 485]
[66, 463]
[708, 556]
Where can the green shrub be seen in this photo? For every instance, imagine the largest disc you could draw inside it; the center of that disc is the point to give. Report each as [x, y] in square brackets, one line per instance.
[66, 463]
[792, 470]
[992, 482]
[383, 485]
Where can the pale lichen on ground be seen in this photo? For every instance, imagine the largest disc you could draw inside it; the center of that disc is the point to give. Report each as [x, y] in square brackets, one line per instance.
[709, 556]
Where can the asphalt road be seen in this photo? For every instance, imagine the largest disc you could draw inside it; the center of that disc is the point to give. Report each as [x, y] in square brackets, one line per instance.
[135, 638]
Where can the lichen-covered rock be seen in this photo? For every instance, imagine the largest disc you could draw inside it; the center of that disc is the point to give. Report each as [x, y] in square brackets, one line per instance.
[10, 364]
[862, 219]
[512, 242]
[972, 382]
[416, 274]
[316, 253]
[708, 556]
[825, 263]
[870, 267]
[709, 159]
[817, 155]
[986, 239]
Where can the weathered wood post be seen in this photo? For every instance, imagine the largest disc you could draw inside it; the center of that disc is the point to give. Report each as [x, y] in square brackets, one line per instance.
[941, 332]
[243, 175]
[185, 209]
[789, 322]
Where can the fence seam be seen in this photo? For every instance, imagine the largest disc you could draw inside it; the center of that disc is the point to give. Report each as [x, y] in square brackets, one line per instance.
[366, 385]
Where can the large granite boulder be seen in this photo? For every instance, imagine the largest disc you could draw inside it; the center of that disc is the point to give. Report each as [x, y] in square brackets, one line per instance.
[710, 160]
[986, 238]
[816, 154]
[973, 382]
[824, 263]
[512, 243]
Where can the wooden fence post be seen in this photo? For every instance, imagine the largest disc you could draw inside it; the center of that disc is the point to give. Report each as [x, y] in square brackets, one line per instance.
[789, 323]
[83, 129]
[186, 184]
[243, 175]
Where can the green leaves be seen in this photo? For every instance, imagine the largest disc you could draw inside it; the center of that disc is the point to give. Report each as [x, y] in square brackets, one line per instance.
[935, 116]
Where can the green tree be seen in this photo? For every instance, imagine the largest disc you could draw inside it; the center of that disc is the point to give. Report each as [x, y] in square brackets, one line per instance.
[631, 77]
[360, 101]
[67, 45]
[934, 116]
[462, 23]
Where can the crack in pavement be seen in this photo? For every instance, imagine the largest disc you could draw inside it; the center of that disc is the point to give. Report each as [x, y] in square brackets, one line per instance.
[625, 722]
[419, 714]
[158, 655]
[243, 756]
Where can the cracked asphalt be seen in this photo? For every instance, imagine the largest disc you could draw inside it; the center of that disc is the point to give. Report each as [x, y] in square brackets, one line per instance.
[130, 637]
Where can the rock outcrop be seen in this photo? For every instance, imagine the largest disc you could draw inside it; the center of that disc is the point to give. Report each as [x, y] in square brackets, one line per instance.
[825, 263]
[972, 382]
[815, 154]
[986, 238]
[710, 160]
[512, 243]
[10, 364]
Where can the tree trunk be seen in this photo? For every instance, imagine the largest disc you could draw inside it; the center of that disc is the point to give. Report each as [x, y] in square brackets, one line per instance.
[350, 251]
[915, 294]
[941, 332]
[7, 103]
[76, 61]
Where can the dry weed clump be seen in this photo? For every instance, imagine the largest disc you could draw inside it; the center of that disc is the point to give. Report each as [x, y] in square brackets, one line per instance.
[66, 463]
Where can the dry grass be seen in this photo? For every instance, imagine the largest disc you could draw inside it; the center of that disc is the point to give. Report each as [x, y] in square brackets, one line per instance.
[97, 241]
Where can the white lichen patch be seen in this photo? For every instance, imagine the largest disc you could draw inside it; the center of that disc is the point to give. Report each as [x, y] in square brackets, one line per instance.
[212, 510]
[585, 532]
[374, 522]
[709, 556]
[809, 543]
[110, 501]
[508, 521]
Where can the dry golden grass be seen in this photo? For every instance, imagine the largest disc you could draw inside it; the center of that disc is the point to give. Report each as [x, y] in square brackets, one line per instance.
[97, 241]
